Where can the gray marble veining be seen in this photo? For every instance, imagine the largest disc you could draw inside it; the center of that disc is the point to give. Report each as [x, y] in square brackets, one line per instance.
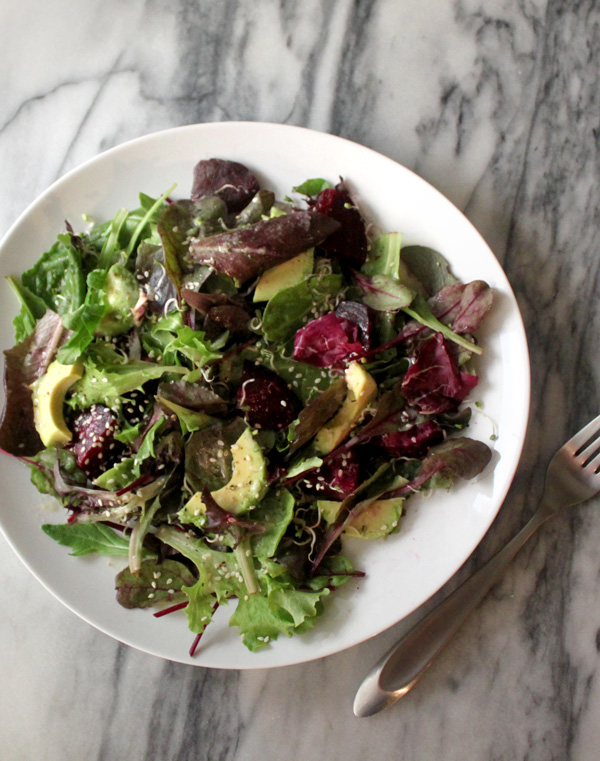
[497, 105]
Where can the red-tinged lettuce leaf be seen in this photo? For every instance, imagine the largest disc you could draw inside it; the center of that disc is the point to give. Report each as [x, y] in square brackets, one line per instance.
[383, 293]
[463, 306]
[412, 442]
[328, 341]
[155, 583]
[459, 457]
[231, 181]
[25, 363]
[434, 383]
[217, 520]
[265, 398]
[349, 244]
[245, 252]
[316, 413]
[208, 459]
[192, 396]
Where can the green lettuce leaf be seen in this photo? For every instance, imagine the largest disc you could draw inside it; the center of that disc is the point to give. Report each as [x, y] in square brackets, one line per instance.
[86, 538]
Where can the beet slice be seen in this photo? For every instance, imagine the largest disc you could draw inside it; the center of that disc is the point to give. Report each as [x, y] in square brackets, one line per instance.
[266, 399]
[94, 444]
[349, 244]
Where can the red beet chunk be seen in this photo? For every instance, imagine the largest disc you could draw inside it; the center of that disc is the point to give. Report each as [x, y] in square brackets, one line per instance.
[414, 442]
[266, 399]
[349, 243]
[94, 444]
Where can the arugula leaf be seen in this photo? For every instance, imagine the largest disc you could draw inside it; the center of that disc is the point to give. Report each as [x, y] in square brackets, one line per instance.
[84, 321]
[86, 538]
[384, 256]
[33, 308]
[312, 187]
[57, 277]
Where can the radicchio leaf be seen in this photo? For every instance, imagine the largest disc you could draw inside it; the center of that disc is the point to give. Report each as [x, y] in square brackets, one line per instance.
[25, 363]
[434, 383]
[245, 252]
[328, 341]
[361, 316]
[349, 244]
[231, 181]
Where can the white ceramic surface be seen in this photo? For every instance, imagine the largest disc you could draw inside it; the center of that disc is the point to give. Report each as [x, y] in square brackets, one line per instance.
[438, 533]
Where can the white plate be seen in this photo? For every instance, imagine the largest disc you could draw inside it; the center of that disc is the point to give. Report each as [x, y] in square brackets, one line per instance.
[438, 533]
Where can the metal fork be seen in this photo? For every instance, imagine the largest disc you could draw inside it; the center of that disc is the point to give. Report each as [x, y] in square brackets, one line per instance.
[573, 476]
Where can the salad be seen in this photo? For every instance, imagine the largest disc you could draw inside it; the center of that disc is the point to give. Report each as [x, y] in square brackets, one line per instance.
[221, 388]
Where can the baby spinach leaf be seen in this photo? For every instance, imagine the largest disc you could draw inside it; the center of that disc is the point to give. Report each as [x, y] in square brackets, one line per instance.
[312, 187]
[290, 309]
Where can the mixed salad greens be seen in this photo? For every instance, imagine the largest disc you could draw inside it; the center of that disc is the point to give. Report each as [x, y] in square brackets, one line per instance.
[217, 388]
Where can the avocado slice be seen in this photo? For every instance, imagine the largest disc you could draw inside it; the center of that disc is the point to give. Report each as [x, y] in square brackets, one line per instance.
[246, 487]
[122, 293]
[284, 275]
[375, 521]
[362, 389]
[48, 399]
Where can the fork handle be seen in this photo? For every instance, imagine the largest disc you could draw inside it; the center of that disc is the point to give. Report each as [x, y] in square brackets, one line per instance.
[402, 666]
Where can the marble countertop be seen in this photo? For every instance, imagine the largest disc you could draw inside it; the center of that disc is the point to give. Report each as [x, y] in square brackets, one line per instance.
[497, 105]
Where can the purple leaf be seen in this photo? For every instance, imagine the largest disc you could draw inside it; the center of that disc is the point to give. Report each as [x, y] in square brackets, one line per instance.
[232, 182]
[434, 383]
[245, 252]
[25, 363]
[328, 341]
[193, 396]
